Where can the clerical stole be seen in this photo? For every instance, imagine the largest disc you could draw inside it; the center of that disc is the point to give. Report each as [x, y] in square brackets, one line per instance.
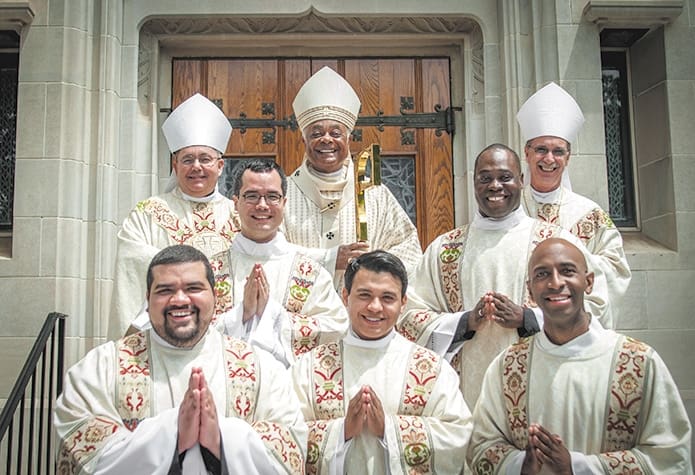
[133, 391]
[133, 387]
[624, 405]
[302, 277]
[329, 403]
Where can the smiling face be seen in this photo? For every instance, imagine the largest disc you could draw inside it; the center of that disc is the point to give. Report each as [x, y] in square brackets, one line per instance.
[197, 169]
[260, 210]
[547, 158]
[558, 280]
[374, 303]
[180, 302]
[327, 145]
[497, 182]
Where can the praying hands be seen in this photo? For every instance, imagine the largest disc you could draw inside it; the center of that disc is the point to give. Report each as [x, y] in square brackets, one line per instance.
[256, 293]
[198, 422]
[364, 412]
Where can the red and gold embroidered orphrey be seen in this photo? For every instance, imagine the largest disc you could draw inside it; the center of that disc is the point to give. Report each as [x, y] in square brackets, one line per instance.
[415, 444]
[303, 274]
[329, 403]
[302, 279]
[585, 228]
[133, 402]
[305, 333]
[282, 444]
[452, 247]
[242, 379]
[81, 445]
[626, 389]
[204, 234]
[133, 394]
[625, 405]
[316, 444]
[133, 384]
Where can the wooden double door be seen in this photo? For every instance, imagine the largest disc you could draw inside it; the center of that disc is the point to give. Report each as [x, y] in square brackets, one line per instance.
[416, 163]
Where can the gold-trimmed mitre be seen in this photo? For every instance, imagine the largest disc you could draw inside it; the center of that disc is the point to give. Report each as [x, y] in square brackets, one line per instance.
[326, 95]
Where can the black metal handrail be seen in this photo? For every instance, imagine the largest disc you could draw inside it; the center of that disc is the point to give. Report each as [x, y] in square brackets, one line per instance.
[31, 452]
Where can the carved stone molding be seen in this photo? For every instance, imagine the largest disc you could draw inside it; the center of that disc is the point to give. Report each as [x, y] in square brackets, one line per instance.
[15, 15]
[632, 13]
[478, 64]
[311, 22]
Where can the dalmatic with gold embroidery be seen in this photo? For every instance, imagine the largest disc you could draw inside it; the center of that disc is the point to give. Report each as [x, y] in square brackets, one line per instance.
[598, 393]
[147, 380]
[428, 423]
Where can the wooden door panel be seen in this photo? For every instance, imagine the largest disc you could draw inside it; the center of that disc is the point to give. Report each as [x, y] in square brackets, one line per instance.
[188, 78]
[244, 85]
[296, 72]
[380, 83]
[435, 167]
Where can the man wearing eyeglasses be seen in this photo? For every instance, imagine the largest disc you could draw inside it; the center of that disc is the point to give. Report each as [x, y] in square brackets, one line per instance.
[191, 211]
[269, 292]
[321, 207]
[550, 121]
[467, 299]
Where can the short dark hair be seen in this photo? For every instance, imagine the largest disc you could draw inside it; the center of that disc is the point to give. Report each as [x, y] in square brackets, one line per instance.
[256, 165]
[377, 261]
[179, 254]
[498, 146]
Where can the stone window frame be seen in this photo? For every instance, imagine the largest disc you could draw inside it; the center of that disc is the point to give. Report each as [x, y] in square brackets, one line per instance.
[14, 16]
[657, 216]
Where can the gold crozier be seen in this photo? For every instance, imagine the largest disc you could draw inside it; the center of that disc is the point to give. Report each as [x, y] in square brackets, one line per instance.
[367, 174]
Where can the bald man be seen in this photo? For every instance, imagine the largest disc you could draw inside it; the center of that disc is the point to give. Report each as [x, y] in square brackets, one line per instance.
[577, 398]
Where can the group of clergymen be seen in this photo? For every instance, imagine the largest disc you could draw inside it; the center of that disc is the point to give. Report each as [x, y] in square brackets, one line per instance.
[254, 335]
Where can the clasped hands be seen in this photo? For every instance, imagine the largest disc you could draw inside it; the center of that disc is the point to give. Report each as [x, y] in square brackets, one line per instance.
[545, 451]
[364, 413]
[256, 293]
[498, 308]
[198, 422]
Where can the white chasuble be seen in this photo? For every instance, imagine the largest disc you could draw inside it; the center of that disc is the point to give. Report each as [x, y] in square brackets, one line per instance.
[119, 410]
[594, 228]
[610, 398]
[207, 224]
[427, 424]
[327, 220]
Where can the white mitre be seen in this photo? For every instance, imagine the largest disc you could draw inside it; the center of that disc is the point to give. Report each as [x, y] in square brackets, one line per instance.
[326, 95]
[551, 111]
[197, 121]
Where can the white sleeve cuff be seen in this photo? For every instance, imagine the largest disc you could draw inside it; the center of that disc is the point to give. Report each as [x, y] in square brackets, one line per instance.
[336, 467]
[443, 333]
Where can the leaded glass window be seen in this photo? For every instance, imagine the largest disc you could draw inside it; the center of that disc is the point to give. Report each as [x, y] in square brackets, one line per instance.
[226, 180]
[616, 116]
[398, 174]
[8, 133]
